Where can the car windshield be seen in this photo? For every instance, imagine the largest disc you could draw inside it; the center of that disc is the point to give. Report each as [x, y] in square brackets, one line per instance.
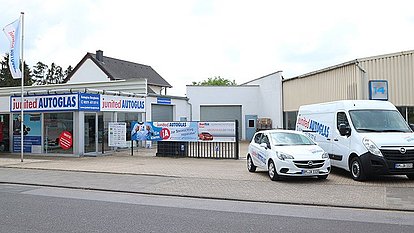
[366, 121]
[290, 139]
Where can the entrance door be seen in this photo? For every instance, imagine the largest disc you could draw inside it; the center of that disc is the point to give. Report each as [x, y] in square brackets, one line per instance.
[250, 122]
[90, 132]
[4, 133]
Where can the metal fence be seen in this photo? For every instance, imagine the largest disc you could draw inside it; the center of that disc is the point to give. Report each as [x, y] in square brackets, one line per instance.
[204, 149]
[215, 150]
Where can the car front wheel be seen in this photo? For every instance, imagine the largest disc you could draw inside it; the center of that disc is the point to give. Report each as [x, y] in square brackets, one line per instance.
[322, 177]
[250, 166]
[272, 171]
[356, 170]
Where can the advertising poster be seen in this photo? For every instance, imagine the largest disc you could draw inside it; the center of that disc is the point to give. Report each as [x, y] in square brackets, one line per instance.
[32, 133]
[164, 131]
[217, 131]
[117, 134]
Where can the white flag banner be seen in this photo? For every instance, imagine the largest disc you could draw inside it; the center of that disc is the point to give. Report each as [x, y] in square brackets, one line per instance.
[13, 33]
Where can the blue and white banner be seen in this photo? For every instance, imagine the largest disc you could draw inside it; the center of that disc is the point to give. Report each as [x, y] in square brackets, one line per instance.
[122, 104]
[164, 131]
[189, 131]
[13, 33]
[40, 103]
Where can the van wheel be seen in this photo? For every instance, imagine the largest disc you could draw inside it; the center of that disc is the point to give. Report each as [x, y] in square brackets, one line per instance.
[410, 176]
[272, 171]
[356, 170]
[250, 165]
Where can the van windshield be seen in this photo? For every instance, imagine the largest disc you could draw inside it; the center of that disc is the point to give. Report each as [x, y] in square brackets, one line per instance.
[378, 121]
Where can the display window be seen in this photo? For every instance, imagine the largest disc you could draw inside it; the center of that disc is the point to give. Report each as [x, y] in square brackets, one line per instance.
[32, 133]
[128, 117]
[58, 133]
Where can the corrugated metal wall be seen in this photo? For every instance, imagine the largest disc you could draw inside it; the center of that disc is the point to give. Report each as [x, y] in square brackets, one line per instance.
[334, 84]
[398, 69]
[346, 81]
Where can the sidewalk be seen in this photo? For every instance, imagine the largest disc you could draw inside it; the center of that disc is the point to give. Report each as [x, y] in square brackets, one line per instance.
[207, 178]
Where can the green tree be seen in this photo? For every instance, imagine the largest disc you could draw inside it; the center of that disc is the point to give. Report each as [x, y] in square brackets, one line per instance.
[39, 73]
[216, 81]
[6, 79]
[43, 74]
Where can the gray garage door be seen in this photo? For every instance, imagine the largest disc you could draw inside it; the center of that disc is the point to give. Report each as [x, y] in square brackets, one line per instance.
[222, 113]
[161, 112]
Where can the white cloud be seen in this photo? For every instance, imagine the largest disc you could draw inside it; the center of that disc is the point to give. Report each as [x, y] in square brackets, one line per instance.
[192, 40]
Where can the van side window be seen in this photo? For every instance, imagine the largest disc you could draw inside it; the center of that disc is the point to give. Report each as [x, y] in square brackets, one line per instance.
[257, 138]
[341, 119]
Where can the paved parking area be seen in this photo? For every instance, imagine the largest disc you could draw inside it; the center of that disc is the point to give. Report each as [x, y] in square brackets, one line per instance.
[212, 178]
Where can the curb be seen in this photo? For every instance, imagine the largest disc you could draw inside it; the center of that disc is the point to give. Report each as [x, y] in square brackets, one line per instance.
[209, 198]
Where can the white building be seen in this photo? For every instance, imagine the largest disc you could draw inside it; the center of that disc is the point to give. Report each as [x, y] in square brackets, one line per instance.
[98, 91]
[247, 103]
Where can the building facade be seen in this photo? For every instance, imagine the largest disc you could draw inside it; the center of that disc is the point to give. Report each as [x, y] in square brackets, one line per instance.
[249, 103]
[72, 119]
[354, 80]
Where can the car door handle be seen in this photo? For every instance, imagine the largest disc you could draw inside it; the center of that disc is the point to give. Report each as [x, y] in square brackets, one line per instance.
[335, 139]
[328, 139]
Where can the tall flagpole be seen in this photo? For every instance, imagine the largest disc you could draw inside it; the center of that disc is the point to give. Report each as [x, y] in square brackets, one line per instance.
[22, 98]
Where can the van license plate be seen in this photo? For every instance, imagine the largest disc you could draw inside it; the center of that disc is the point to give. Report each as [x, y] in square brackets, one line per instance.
[310, 172]
[404, 165]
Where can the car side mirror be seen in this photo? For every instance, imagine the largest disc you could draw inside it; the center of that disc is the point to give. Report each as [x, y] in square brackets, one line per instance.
[412, 127]
[344, 130]
[264, 145]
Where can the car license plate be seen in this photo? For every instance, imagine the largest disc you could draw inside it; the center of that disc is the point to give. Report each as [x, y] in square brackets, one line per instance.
[310, 172]
[404, 165]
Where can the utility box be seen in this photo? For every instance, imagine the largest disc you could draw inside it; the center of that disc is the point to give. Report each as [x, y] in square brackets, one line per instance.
[263, 124]
[172, 149]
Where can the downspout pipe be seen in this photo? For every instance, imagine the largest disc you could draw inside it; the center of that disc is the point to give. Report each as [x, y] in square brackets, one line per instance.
[364, 81]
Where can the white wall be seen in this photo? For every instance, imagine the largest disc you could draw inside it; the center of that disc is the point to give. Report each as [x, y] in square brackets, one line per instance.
[88, 72]
[261, 97]
[4, 103]
[181, 107]
[156, 89]
[245, 96]
[270, 98]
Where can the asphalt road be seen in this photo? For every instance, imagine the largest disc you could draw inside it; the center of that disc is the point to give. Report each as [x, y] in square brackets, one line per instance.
[47, 209]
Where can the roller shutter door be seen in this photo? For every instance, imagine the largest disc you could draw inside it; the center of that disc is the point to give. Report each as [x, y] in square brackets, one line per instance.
[222, 113]
[161, 112]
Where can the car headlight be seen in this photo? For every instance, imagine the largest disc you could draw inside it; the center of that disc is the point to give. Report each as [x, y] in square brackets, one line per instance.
[371, 147]
[325, 155]
[283, 156]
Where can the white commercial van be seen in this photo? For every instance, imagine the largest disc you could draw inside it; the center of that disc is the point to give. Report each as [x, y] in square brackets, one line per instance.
[365, 137]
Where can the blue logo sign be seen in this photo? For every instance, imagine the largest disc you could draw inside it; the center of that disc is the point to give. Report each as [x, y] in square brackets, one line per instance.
[378, 90]
[89, 102]
[163, 100]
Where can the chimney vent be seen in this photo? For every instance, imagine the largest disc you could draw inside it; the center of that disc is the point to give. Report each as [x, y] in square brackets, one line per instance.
[99, 55]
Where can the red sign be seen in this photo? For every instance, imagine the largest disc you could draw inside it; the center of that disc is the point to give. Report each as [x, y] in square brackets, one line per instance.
[65, 140]
[165, 133]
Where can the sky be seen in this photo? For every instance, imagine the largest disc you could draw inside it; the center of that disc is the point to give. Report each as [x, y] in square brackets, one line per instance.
[193, 40]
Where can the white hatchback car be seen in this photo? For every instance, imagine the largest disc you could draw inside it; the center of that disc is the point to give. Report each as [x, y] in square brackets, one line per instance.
[287, 153]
